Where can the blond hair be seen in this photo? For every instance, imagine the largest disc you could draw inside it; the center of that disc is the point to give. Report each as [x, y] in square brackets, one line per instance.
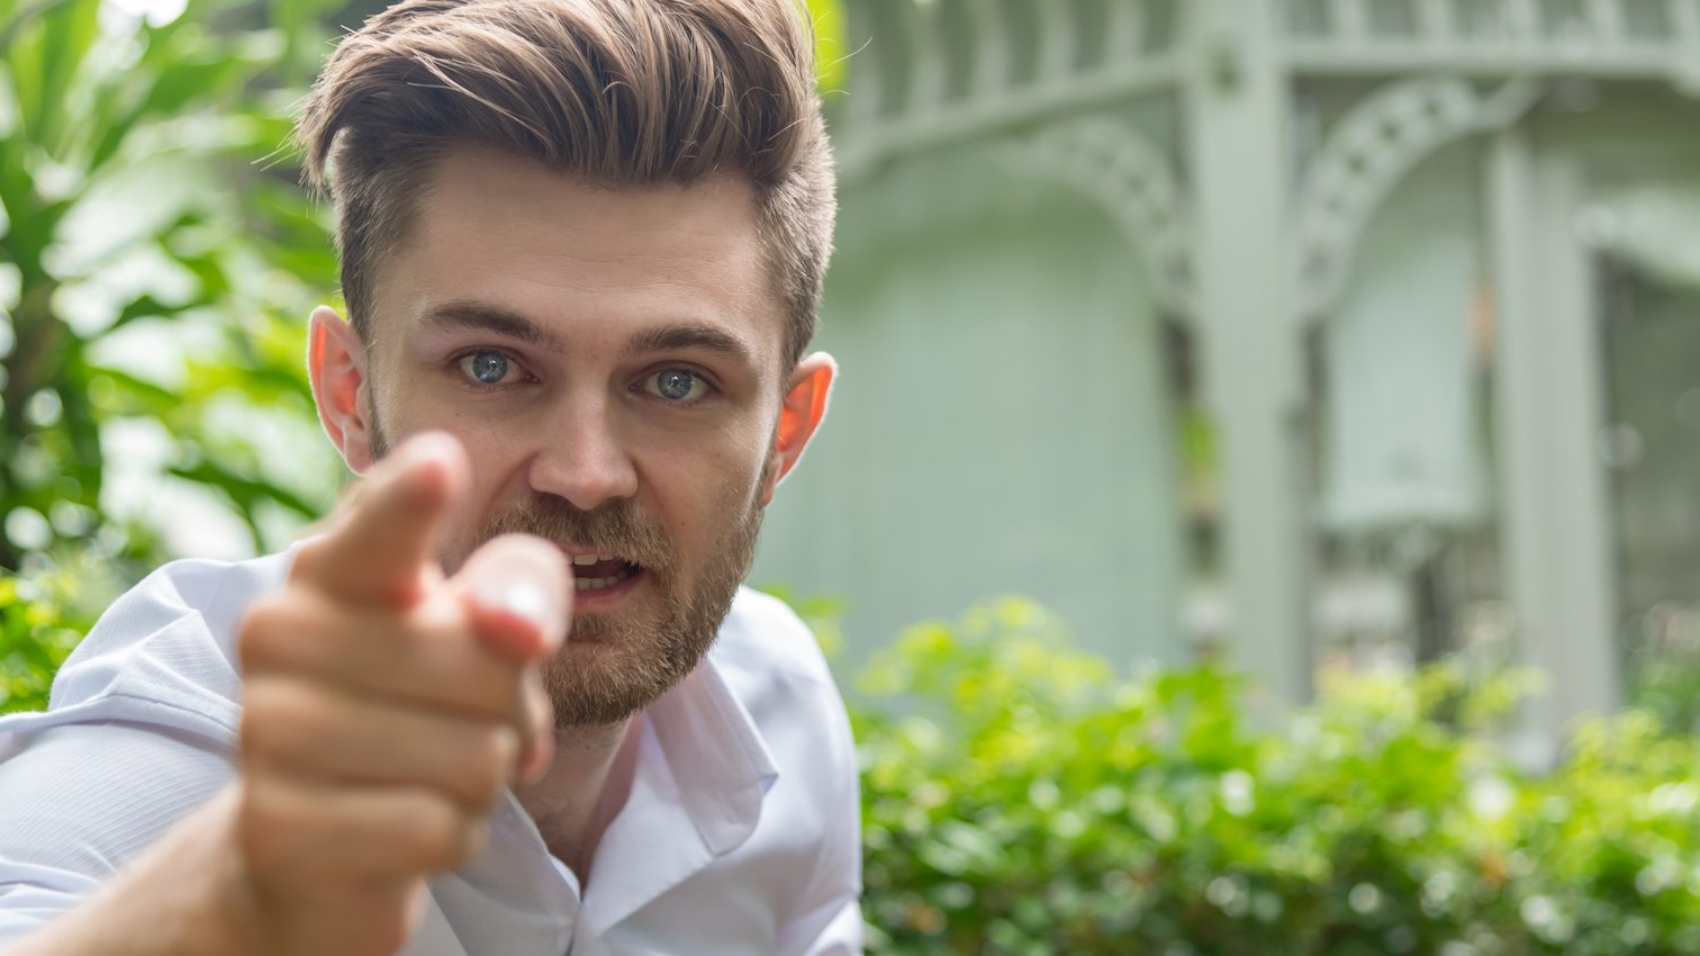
[625, 93]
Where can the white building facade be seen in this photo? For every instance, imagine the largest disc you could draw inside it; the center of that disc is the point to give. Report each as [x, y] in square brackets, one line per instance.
[1411, 260]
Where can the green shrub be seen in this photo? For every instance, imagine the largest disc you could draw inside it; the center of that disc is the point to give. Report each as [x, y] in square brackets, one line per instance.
[1019, 799]
[40, 623]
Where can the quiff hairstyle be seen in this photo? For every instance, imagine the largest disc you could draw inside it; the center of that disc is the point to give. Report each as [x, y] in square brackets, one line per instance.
[624, 93]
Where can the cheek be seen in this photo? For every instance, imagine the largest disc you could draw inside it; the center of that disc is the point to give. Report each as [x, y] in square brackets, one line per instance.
[463, 527]
[704, 494]
[744, 464]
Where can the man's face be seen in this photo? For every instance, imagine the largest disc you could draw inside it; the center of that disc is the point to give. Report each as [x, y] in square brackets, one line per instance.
[611, 361]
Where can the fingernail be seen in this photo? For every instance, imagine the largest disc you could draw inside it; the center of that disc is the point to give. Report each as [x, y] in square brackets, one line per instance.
[528, 600]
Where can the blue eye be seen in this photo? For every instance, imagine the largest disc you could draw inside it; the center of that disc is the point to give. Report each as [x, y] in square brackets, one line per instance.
[486, 366]
[678, 385]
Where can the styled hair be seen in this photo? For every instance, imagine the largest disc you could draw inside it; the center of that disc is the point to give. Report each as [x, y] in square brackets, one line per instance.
[624, 93]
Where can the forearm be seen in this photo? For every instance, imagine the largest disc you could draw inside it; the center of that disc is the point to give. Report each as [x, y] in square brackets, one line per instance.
[184, 896]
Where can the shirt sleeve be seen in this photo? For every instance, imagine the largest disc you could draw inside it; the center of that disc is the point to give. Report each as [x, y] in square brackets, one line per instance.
[832, 924]
[839, 933]
[830, 921]
[78, 800]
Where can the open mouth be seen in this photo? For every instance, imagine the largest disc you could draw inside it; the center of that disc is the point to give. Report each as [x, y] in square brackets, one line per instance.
[599, 572]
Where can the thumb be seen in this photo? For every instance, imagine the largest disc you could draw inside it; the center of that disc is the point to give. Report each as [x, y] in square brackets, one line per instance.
[517, 592]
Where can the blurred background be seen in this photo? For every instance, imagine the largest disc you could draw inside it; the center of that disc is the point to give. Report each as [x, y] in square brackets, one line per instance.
[1305, 337]
[1299, 331]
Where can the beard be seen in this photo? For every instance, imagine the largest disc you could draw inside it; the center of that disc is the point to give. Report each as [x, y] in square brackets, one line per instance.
[612, 666]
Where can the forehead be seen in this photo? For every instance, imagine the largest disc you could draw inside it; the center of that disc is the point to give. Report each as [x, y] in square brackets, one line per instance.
[492, 227]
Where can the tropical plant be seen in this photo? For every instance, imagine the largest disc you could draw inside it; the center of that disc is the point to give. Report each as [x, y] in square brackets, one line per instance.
[145, 262]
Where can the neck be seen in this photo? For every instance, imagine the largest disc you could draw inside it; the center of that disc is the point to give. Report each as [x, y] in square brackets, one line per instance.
[583, 791]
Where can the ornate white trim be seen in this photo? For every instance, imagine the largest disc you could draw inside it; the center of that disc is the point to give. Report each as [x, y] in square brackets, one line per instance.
[1369, 154]
[1604, 39]
[1120, 170]
[950, 72]
[963, 71]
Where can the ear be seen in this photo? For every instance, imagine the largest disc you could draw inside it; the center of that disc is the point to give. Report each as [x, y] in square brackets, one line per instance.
[336, 366]
[801, 413]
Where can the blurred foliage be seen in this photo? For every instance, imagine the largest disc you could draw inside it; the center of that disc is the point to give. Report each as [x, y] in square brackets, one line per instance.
[1022, 800]
[1668, 687]
[1665, 668]
[147, 261]
[42, 617]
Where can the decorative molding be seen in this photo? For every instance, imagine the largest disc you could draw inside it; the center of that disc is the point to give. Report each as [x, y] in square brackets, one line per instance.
[1050, 75]
[1602, 39]
[1132, 180]
[1369, 154]
[944, 72]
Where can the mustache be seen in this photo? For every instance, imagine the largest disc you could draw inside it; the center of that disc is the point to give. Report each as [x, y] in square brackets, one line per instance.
[618, 527]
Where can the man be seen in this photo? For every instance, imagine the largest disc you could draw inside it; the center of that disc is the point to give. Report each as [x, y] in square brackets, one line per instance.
[582, 245]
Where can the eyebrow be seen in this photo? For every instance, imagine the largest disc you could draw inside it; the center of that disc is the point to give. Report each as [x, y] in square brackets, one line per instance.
[480, 316]
[676, 338]
[467, 314]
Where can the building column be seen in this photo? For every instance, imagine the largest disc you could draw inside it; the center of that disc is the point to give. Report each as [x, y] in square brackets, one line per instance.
[1555, 527]
[1237, 110]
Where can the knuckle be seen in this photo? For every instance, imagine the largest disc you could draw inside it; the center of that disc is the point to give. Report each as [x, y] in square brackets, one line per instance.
[386, 938]
[487, 765]
[263, 697]
[390, 934]
[313, 554]
[259, 721]
[459, 680]
[265, 823]
[279, 718]
[269, 633]
[437, 833]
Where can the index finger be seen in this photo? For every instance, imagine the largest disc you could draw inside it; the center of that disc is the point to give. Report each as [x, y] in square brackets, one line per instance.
[382, 546]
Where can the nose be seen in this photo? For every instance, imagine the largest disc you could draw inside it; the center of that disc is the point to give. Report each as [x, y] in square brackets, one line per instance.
[583, 459]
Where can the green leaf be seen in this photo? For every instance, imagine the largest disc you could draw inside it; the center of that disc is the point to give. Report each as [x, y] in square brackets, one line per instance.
[70, 30]
[246, 492]
[171, 93]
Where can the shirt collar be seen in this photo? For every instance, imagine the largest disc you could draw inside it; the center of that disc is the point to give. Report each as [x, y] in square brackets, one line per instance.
[719, 761]
[702, 773]
[696, 796]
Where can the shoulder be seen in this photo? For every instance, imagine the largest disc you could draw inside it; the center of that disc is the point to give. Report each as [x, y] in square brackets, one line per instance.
[771, 662]
[216, 592]
[767, 655]
[762, 633]
[138, 732]
[79, 800]
[88, 795]
[162, 654]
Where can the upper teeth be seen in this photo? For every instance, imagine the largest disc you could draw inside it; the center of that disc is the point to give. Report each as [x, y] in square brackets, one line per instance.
[589, 559]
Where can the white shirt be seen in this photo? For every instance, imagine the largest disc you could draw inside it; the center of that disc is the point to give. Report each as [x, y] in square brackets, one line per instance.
[740, 835]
